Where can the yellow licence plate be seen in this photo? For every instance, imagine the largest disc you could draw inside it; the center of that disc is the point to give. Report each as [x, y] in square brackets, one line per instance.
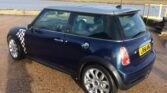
[144, 49]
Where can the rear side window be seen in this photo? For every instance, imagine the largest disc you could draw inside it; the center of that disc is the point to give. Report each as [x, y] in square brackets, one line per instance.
[132, 25]
[89, 25]
[52, 20]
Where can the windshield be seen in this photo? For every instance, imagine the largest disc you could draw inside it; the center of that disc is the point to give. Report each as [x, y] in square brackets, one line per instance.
[132, 25]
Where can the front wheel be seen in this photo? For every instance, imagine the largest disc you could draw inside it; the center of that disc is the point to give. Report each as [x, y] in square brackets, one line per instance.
[15, 49]
[96, 79]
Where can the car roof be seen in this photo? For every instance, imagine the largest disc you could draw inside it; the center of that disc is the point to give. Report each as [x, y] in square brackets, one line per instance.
[96, 9]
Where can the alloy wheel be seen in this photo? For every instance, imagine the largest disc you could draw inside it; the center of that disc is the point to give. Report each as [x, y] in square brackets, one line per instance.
[95, 81]
[13, 48]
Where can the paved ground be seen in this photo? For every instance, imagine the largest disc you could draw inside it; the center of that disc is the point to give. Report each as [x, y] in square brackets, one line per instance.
[27, 76]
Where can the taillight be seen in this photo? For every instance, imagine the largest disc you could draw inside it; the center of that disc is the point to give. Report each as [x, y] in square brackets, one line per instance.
[124, 56]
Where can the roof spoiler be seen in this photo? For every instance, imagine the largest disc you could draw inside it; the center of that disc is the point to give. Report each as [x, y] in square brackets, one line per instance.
[127, 13]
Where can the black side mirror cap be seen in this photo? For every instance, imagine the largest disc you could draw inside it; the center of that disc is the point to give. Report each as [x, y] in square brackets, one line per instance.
[29, 26]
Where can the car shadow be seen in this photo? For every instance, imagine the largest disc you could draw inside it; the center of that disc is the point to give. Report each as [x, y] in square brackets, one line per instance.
[19, 80]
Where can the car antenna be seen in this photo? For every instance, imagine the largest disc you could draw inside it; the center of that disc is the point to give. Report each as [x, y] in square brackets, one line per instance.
[120, 5]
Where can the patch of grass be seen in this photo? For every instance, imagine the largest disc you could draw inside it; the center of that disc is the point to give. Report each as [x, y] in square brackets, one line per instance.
[126, 1]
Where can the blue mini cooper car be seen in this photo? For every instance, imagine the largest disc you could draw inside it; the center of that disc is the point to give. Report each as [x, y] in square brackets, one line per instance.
[104, 47]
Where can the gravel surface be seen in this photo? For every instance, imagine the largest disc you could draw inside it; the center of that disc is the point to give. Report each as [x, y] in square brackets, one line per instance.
[28, 76]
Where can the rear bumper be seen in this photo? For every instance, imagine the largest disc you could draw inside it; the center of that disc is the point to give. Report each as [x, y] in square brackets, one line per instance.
[136, 78]
[128, 80]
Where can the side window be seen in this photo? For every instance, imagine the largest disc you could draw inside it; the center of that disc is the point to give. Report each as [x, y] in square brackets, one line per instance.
[52, 20]
[88, 25]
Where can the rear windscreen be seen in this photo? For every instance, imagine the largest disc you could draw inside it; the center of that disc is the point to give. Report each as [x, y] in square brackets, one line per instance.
[132, 25]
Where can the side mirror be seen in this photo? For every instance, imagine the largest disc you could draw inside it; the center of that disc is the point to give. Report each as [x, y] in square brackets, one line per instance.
[29, 27]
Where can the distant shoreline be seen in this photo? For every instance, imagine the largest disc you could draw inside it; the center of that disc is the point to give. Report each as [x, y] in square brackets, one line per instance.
[141, 2]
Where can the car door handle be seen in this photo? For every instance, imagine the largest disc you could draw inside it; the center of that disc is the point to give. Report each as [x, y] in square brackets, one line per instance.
[85, 45]
[58, 40]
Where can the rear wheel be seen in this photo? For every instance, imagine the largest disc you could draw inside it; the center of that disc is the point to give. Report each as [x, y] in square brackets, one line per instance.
[96, 79]
[15, 49]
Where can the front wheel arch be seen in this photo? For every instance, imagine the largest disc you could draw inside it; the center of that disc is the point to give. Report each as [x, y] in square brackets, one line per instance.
[21, 54]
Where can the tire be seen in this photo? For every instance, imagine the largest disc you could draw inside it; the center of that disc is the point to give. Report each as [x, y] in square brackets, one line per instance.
[15, 49]
[94, 83]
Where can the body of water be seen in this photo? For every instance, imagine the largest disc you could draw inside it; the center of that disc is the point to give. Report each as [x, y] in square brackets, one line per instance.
[40, 4]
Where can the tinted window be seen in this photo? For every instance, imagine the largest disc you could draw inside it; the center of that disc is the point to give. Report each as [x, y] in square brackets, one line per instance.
[52, 20]
[132, 25]
[89, 25]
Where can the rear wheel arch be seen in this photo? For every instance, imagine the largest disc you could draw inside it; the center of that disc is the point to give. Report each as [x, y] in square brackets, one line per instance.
[92, 60]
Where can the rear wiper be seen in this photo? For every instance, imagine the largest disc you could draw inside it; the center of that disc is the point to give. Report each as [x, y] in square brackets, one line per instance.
[139, 33]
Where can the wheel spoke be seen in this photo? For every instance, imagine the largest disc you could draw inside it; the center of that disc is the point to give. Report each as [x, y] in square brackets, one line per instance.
[102, 91]
[102, 77]
[88, 76]
[105, 86]
[92, 73]
[96, 90]
[96, 74]
[11, 50]
[105, 82]
[105, 91]
[88, 82]
[91, 90]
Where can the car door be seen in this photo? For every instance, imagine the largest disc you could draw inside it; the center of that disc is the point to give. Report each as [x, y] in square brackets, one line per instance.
[80, 42]
[45, 38]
